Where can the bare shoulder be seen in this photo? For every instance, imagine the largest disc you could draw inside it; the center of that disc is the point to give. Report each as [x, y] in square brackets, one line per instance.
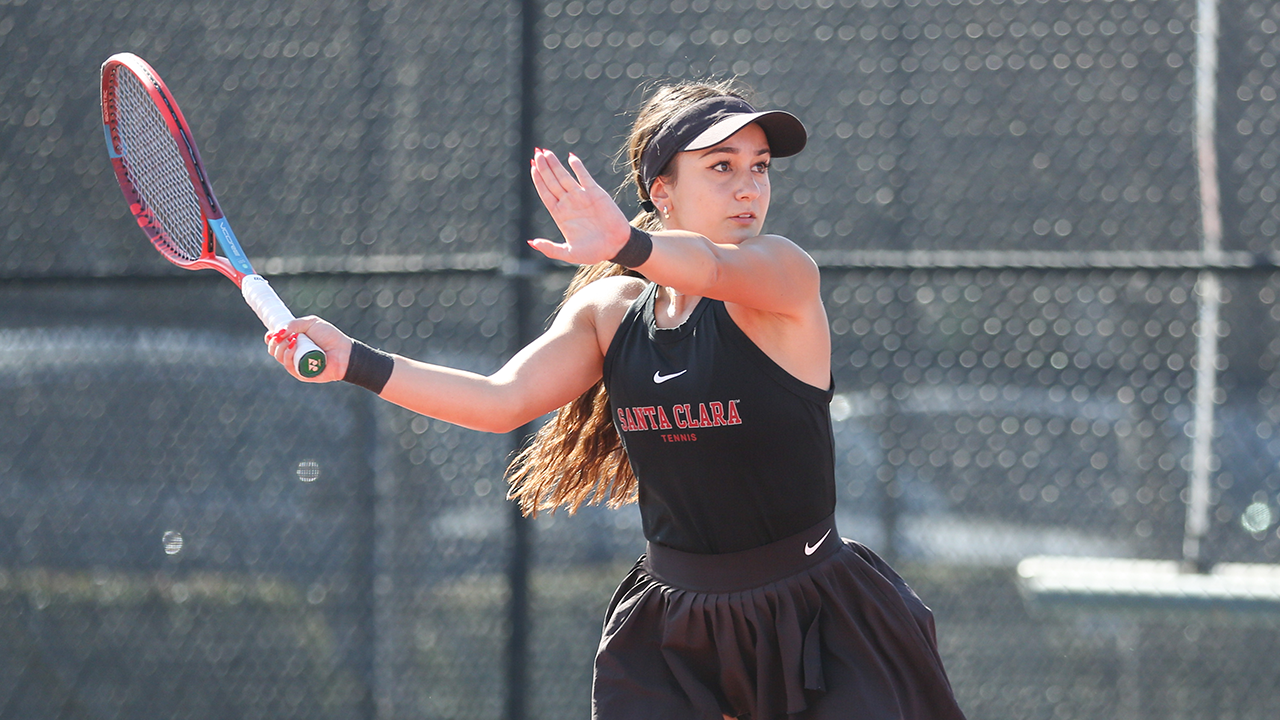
[781, 249]
[606, 294]
[602, 304]
[791, 326]
[773, 275]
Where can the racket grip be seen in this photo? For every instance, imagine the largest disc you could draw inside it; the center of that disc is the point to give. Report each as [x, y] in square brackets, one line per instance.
[309, 358]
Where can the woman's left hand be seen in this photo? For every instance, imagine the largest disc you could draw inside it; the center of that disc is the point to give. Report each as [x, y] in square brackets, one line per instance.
[593, 226]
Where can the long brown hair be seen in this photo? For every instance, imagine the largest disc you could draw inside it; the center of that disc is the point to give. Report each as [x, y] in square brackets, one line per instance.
[577, 457]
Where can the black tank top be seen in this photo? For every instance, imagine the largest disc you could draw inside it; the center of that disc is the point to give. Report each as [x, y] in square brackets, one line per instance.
[731, 451]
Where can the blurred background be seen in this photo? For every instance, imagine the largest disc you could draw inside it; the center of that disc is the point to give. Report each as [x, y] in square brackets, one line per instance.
[1005, 200]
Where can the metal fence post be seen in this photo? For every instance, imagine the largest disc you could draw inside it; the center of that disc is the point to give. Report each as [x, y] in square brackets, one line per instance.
[526, 267]
[1199, 500]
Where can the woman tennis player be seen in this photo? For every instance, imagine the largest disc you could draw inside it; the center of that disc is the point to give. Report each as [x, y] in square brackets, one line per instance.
[690, 366]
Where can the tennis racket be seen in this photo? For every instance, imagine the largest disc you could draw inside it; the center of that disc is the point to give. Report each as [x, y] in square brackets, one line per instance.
[168, 190]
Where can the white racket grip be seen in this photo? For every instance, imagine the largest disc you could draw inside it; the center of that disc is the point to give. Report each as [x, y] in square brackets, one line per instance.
[309, 359]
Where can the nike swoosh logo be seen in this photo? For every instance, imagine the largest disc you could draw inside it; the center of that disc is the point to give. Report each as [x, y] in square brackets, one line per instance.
[811, 550]
[659, 378]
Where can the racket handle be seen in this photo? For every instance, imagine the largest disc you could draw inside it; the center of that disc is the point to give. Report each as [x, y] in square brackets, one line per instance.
[309, 359]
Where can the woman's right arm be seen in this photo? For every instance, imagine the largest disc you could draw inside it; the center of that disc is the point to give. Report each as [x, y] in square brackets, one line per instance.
[552, 370]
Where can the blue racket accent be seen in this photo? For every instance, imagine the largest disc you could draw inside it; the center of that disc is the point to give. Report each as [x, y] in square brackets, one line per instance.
[111, 149]
[227, 241]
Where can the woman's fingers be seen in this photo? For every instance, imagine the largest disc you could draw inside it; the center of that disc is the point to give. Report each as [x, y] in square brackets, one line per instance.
[553, 181]
[545, 194]
[561, 174]
[283, 345]
[546, 164]
[580, 169]
[564, 203]
[302, 325]
[553, 250]
[584, 212]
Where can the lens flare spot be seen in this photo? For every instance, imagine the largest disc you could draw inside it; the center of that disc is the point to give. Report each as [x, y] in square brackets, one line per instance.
[308, 471]
[1257, 518]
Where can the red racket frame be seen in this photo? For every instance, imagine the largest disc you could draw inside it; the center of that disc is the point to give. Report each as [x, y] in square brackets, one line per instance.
[216, 230]
[309, 360]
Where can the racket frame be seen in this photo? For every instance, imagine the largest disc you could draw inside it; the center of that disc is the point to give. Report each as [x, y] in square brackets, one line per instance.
[235, 265]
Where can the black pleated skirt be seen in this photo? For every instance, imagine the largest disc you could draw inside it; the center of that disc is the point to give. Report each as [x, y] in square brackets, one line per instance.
[810, 627]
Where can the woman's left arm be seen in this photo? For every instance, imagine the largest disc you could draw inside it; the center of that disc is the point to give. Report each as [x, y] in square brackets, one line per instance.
[767, 273]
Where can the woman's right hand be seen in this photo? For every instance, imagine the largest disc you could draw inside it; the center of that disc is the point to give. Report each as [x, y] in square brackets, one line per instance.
[335, 344]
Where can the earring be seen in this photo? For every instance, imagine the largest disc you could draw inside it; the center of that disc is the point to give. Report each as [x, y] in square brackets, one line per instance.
[666, 212]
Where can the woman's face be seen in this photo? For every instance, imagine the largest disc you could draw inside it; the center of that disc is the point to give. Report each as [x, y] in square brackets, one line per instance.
[721, 192]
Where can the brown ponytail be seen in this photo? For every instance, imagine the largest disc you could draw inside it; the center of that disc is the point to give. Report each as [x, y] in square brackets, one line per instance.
[577, 456]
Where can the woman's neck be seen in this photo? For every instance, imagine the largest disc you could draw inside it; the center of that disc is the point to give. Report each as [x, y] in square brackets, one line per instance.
[673, 307]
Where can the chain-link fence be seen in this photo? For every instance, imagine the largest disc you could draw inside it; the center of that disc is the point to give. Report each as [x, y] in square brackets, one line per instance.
[1005, 198]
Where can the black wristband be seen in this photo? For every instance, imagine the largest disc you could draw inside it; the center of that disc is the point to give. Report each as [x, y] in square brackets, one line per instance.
[637, 249]
[369, 368]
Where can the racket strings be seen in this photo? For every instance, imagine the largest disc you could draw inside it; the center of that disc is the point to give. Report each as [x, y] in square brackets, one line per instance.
[157, 171]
